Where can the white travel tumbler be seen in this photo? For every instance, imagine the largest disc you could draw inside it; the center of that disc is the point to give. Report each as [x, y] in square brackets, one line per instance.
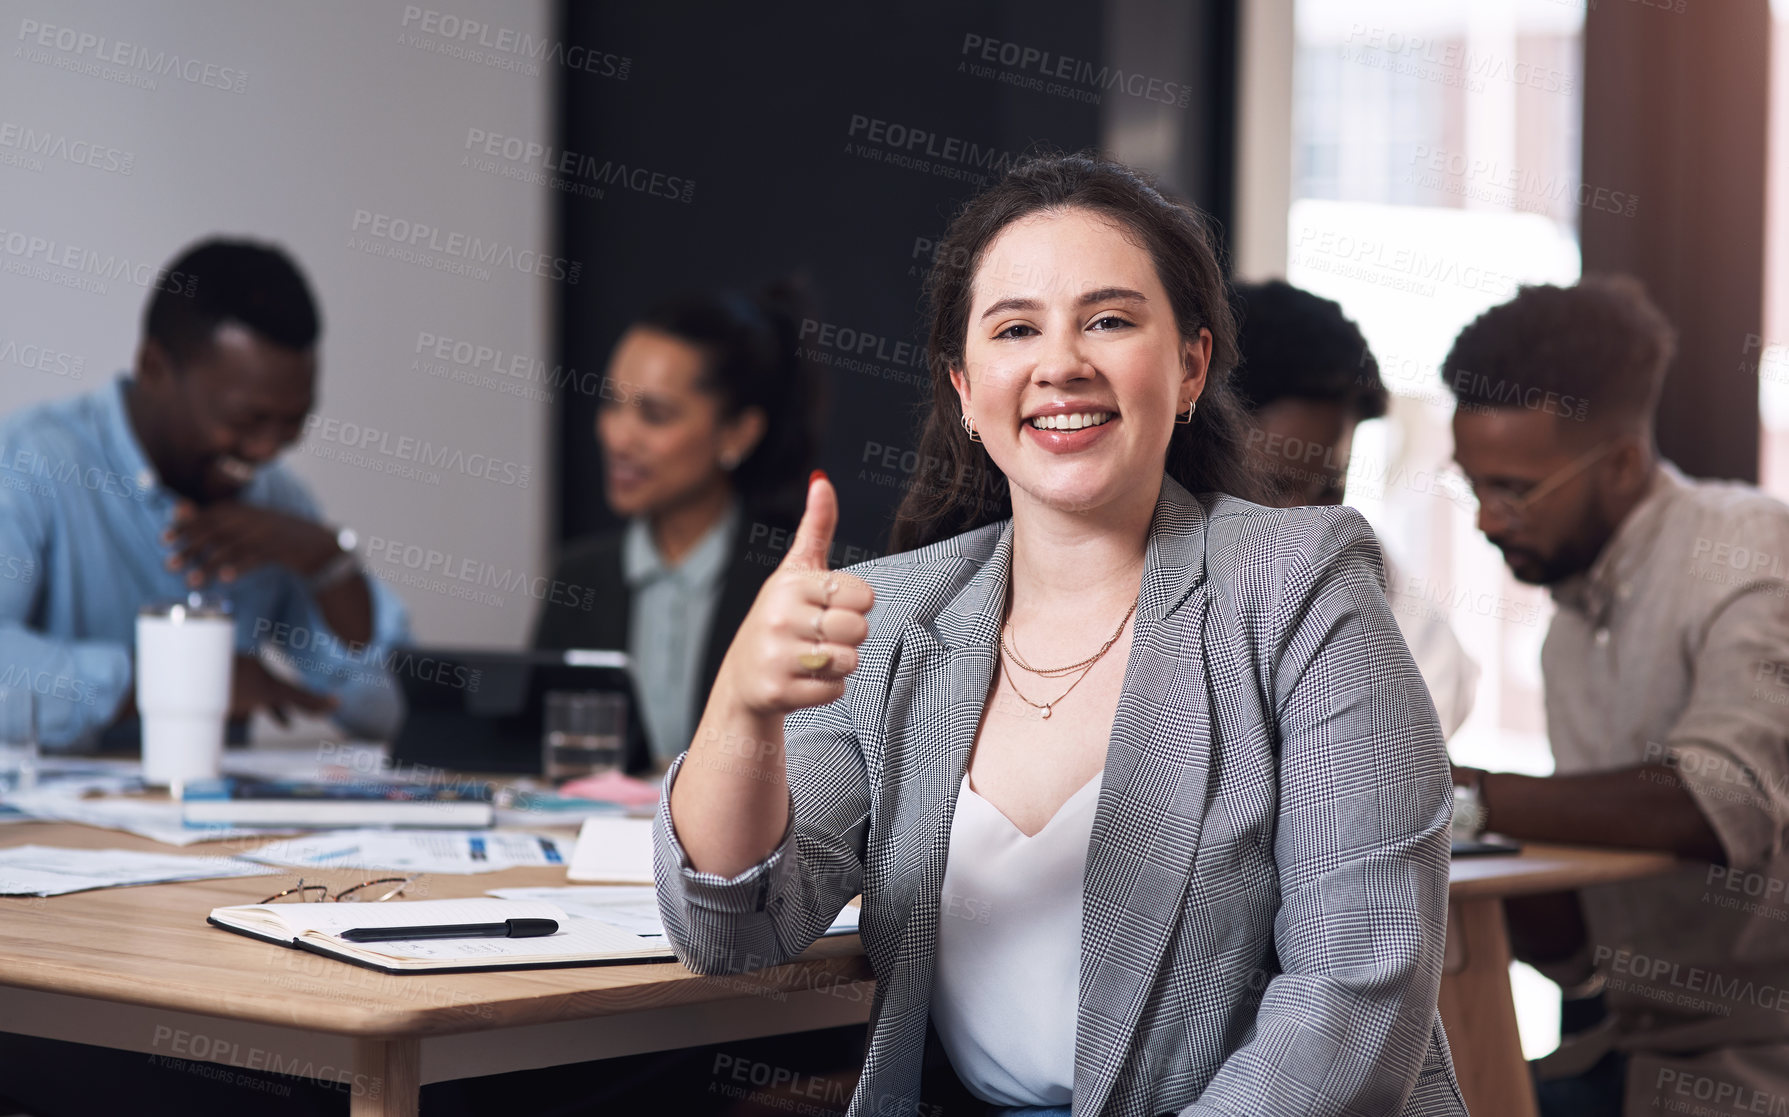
[185, 651]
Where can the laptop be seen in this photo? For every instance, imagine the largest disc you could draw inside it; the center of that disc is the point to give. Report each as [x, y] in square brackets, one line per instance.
[1486, 845]
[483, 711]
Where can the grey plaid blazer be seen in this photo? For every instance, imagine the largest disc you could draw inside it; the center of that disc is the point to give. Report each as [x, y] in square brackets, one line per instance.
[1266, 883]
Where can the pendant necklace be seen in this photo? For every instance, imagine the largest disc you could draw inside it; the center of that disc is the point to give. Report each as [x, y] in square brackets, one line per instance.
[1083, 667]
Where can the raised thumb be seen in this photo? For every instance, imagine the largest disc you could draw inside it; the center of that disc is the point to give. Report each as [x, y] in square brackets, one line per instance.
[813, 537]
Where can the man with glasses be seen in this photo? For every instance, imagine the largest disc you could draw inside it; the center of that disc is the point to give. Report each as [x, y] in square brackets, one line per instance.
[165, 482]
[1666, 672]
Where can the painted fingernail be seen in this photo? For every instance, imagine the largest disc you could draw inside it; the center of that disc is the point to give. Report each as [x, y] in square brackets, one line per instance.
[817, 475]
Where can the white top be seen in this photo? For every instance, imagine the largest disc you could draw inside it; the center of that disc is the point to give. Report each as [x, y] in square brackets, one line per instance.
[1007, 990]
[1420, 606]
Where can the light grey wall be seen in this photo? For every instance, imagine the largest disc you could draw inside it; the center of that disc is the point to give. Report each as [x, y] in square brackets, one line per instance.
[334, 114]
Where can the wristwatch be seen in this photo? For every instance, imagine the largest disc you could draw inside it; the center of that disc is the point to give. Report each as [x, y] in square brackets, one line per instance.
[340, 568]
[1469, 810]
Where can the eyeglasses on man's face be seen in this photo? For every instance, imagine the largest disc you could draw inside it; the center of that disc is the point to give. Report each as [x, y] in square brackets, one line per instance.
[1512, 503]
[366, 892]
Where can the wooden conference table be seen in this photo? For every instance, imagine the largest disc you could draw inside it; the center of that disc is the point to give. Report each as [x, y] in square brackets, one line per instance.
[138, 969]
[1477, 1007]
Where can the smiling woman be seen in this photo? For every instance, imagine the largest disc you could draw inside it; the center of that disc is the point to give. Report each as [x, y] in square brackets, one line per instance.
[1090, 200]
[1144, 795]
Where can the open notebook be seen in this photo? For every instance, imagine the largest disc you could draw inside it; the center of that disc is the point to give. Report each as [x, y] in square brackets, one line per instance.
[318, 927]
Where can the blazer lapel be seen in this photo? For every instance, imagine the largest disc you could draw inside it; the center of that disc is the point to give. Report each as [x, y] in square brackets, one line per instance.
[960, 653]
[1152, 800]
[937, 693]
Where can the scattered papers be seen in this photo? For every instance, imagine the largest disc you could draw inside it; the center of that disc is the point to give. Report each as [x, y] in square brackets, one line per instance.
[414, 851]
[63, 767]
[50, 871]
[61, 778]
[614, 850]
[158, 819]
[526, 808]
[105, 793]
[630, 907]
[100, 791]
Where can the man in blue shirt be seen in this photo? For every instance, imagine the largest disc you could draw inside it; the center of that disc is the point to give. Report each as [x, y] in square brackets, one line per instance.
[165, 482]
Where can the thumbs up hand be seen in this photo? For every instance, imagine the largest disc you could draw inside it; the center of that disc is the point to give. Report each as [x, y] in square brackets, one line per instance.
[800, 639]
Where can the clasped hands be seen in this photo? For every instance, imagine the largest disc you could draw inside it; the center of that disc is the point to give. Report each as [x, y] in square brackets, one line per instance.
[222, 540]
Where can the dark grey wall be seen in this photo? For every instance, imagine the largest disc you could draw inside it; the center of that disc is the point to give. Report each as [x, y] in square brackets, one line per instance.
[766, 116]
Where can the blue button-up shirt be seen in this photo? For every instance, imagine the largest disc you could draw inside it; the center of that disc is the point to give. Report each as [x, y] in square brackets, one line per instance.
[668, 628]
[82, 514]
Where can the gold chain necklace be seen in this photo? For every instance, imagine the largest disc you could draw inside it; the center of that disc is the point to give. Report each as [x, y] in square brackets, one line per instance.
[1059, 672]
[1085, 666]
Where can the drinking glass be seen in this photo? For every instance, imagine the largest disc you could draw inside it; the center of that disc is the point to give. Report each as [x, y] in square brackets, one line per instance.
[583, 733]
[18, 739]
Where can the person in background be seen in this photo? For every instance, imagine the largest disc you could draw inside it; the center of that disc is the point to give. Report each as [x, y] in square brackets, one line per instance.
[1666, 674]
[165, 482]
[1307, 379]
[706, 432]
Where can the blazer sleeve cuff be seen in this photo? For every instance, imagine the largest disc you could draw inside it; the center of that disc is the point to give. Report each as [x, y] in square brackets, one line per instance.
[749, 891]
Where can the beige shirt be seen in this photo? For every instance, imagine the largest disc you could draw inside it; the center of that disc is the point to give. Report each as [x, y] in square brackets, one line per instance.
[1674, 649]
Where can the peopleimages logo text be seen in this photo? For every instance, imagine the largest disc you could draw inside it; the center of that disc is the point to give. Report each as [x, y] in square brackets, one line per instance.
[1048, 64]
[472, 33]
[429, 561]
[422, 236]
[27, 141]
[407, 448]
[131, 56]
[59, 254]
[921, 141]
[556, 162]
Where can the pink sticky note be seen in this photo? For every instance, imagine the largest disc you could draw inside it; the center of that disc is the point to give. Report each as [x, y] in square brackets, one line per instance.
[612, 787]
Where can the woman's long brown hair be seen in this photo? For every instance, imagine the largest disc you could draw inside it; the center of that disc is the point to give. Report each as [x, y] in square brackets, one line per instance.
[959, 487]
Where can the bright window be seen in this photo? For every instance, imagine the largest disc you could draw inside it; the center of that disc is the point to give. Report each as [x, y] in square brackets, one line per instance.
[1772, 353]
[1435, 169]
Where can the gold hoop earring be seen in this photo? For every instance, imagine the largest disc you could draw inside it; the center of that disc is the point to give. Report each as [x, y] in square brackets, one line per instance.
[1182, 420]
[969, 428]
